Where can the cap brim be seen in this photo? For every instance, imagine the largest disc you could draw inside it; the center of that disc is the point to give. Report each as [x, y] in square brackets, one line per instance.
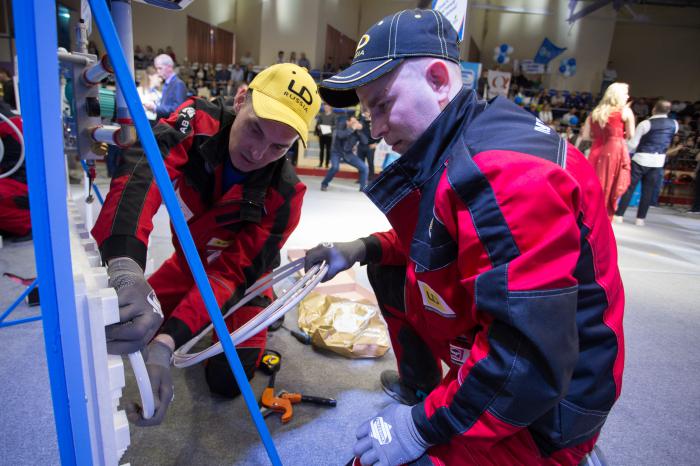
[339, 90]
[270, 109]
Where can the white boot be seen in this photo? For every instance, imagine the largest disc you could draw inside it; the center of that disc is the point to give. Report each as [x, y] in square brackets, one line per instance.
[639, 222]
[617, 219]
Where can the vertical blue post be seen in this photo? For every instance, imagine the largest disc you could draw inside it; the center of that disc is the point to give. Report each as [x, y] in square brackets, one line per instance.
[35, 30]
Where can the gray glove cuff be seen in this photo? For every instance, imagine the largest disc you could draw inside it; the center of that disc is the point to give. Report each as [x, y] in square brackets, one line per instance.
[407, 419]
[159, 354]
[123, 271]
[123, 265]
[360, 250]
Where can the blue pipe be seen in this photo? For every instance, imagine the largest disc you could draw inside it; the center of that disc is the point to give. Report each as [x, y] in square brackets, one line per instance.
[19, 321]
[17, 302]
[94, 185]
[143, 128]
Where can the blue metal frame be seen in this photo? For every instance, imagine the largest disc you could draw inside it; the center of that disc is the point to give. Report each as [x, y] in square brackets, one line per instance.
[108, 32]
[17, 302]
[35, 31]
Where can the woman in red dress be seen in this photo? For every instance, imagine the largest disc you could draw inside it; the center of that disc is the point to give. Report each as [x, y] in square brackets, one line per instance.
[609, 126]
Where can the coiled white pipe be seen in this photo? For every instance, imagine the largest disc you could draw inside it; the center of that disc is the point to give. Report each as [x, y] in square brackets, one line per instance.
[271, 313]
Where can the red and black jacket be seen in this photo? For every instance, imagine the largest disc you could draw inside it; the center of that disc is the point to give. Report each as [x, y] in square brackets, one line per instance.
[238, 233]
[504, 234]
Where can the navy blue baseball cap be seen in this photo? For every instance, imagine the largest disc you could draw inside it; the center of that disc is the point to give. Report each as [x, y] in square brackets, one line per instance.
[405, 34]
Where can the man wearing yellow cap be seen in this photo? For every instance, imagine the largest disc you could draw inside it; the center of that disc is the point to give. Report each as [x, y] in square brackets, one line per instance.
[241, 199]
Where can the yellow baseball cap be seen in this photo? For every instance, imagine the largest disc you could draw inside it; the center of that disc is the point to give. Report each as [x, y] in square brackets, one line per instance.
[286, 93]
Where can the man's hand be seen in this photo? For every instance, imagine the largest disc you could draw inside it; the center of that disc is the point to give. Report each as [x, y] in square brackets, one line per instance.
[149, 106]
[158, 356]
[390, 438]
[338, 256]
[139, 310]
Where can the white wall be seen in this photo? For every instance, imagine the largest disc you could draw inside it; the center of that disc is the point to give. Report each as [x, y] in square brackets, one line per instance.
[289, 25]
[661, 57]
[343, 15]
[247, 28]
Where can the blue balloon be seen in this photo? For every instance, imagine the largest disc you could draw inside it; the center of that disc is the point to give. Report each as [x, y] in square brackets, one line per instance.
[562, 68]
[501, 59]
[573, 121]
[571, 62]
[518, 100]
[504, 48]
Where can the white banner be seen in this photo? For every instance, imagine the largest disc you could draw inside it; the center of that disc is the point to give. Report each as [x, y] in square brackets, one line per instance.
[499, 83]
[530, 67]
[455, 11]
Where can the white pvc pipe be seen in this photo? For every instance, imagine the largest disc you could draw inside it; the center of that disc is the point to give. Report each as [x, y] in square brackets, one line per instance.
[144, 383]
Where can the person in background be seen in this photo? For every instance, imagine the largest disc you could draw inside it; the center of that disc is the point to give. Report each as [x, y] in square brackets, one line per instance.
[304, 62]
[498, 280]
[608, 127]
[545, 114]
[346, 137]
[280, 56]
[558, 100]
[325, 125]
[651, 140]
[246, 59]
[237, 75]
[149, 91]
[249, 74]
[293, 57]
[365, 150]
[174, 90]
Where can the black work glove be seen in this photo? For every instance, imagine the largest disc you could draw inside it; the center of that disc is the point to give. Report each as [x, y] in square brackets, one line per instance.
[158, 356]
[338, 256]
[140, 316]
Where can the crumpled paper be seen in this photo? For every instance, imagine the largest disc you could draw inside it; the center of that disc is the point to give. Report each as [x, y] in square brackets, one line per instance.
[349, 328]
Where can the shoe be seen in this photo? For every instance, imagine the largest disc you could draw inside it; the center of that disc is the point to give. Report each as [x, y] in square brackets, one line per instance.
[617, 219]
[276, 325]
[324, 187]
[396, 389]
[695, 212]
[639, 222]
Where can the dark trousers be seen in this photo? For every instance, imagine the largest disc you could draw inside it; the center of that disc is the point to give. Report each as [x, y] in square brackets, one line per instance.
[696, 201]
[351, 159]
[367, 155]
[324, 155]
[417, 365]
[649, 177]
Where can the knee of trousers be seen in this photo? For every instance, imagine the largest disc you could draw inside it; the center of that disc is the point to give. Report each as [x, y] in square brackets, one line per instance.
[220, 377]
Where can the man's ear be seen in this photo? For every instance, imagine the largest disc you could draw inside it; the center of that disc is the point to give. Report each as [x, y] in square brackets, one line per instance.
[240, 98]
[438, 77]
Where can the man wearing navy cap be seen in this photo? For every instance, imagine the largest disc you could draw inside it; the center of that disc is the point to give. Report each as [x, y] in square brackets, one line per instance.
[501, 264]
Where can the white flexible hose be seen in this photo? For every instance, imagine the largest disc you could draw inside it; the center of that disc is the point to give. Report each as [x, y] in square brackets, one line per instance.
[144, 383]
[271, 313]
[21, 145]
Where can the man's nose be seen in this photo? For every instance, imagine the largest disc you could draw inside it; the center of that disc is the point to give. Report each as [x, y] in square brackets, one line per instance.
[256, 152]
[378, 128]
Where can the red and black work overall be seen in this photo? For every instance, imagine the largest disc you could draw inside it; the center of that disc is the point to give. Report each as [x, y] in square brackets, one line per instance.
[14, 195]
[502, 264]
[238, 233]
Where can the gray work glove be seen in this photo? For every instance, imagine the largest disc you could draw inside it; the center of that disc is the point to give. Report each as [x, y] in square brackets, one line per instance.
[338, 256]
[157, 357]
[140, 316]
[390, 438]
